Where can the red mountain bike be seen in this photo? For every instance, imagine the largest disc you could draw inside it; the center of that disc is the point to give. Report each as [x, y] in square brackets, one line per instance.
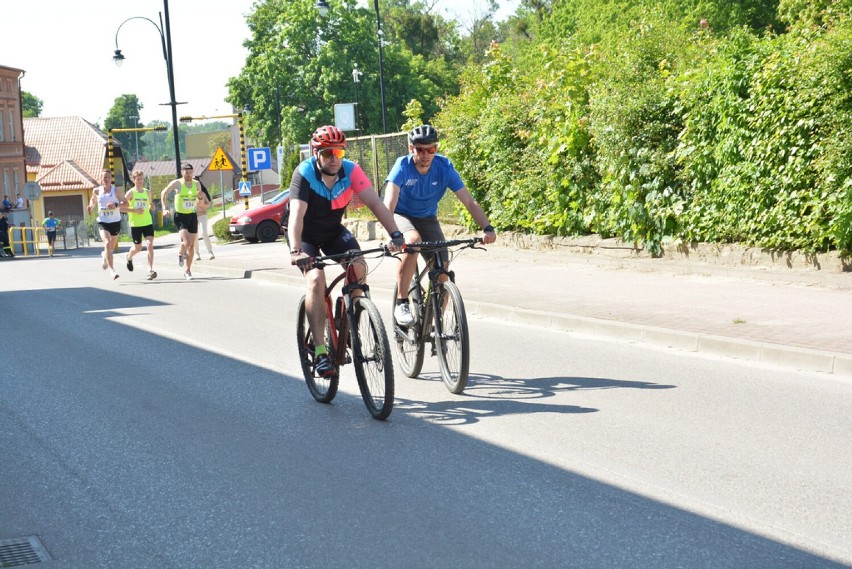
[354, 333]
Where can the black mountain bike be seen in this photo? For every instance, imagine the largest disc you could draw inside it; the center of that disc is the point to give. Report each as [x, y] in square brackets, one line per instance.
[355, 333]
[439, 317]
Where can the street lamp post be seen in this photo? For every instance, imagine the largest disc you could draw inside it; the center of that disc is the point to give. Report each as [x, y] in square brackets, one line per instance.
[322, 7]
[356, 76]
[166, 40]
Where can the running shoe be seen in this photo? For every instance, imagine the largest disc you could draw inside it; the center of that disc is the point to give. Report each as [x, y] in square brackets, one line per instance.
[129, 262]
[104, 265]
[212, 256]
[323, 366]
[180, 260]
[114, 275]
[402, 315]
[187, 275]
[152, 275]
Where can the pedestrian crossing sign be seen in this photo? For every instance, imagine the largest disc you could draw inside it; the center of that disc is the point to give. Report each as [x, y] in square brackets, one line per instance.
[220, 161]
[245, 189]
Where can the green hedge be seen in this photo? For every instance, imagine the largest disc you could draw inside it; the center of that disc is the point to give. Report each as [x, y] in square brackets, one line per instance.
[657, 129]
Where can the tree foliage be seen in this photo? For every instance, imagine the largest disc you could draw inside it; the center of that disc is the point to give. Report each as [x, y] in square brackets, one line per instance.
[31, 105]
[300, 65]
[125, 114]
[664, 121]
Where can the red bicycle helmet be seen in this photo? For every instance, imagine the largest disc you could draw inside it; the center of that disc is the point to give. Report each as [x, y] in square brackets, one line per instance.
[328, 136]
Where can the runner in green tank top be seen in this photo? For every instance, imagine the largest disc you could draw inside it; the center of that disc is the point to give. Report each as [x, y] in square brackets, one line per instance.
[185, 219]
[139, 207]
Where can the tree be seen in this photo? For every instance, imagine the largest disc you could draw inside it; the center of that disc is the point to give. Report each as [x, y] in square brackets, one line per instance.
[31, 104]
[300, 65]
[125, 114]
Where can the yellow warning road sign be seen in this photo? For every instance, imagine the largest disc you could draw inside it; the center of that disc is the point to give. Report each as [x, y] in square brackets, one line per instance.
[220, 161]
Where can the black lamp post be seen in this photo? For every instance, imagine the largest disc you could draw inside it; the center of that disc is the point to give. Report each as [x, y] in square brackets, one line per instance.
[322, 7]
[166, 40]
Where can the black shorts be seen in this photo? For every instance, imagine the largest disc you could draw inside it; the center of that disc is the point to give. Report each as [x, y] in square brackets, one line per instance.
[342, 242]
[51, 237]
[188, 221]
[113, 228]
[137, 233]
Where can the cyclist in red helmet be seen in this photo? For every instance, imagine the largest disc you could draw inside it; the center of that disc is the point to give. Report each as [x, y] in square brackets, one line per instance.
[321, 188]
[415, 185]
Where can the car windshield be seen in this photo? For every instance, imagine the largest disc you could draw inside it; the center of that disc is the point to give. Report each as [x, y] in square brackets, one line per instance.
[280, 197]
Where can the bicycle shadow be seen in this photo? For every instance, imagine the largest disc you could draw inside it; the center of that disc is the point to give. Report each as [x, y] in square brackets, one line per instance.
[495, 396]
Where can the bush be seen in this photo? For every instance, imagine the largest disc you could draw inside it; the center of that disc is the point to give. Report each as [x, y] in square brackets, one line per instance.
[221, 230]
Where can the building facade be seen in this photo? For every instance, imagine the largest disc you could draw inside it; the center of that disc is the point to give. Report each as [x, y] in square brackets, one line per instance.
[13, 174]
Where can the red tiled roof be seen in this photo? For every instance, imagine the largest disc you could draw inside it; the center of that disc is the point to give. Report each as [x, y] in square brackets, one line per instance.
[66, 176]
[65, 153]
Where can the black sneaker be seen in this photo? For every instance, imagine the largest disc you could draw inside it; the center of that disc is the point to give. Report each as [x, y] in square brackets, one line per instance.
[129, 263]
[323, 366]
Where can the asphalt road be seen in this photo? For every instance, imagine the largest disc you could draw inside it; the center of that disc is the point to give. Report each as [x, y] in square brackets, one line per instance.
[165, 424]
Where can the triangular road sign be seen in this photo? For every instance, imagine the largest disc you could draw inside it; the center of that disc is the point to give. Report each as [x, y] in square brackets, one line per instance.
[220, 161]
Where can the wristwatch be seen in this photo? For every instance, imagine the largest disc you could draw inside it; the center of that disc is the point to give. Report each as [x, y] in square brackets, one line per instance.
[488, 229]
[396, 235]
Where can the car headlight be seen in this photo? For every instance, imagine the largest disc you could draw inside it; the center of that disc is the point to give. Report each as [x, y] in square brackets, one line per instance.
[244, 219]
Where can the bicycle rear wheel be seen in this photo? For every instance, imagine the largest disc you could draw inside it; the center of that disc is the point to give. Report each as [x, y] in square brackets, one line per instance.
[452, 337]
[322, 388]
[409, 346]
[373, 363]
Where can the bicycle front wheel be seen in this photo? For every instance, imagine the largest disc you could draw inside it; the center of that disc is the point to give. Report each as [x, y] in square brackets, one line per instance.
[323, 389]
[373, 364]
[409, 344]
[452, 337]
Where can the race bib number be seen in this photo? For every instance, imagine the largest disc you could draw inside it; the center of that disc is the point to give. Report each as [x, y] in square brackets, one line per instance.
[141, 204]
[189, 204]
[105, 212]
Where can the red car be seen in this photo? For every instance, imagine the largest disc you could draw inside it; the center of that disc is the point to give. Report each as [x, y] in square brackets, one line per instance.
[265, 222]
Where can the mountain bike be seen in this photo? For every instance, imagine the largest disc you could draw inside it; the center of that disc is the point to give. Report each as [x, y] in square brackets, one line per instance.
[354, 333]
[439, 316]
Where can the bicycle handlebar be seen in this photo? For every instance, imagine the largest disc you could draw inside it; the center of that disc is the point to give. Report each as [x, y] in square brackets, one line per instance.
[322, 261]
[435, 245]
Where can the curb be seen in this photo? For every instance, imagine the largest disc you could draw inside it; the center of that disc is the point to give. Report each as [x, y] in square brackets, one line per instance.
[788, 357]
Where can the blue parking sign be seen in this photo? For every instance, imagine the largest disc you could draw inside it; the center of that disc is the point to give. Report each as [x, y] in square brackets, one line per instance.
[259, 158]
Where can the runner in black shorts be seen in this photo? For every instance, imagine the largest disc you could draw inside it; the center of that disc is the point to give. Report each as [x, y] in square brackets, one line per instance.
[107, 201]
[186, 200]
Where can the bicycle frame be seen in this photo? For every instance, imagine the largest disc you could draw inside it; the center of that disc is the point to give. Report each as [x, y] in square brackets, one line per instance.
[431, 303]
[341, 326]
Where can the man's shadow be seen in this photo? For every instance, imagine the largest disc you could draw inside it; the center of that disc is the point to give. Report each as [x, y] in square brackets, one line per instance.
[495, 396]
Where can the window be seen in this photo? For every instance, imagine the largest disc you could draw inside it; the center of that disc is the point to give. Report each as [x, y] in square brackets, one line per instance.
[12, 126]
[17, 187]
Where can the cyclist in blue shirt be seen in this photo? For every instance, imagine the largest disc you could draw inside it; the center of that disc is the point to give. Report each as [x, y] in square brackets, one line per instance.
[51, 224]
[415, 185]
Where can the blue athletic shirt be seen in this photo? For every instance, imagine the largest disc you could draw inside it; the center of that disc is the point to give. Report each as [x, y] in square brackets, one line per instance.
[419, 194]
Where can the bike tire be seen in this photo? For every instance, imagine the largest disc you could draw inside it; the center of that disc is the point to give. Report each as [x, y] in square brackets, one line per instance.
[372, 358]
[323, 389]
[452, 338]
[409, 346]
